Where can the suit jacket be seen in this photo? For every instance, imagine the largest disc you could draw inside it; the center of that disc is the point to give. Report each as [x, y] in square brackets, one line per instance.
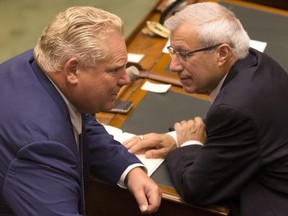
[40, 169]
[244, 161]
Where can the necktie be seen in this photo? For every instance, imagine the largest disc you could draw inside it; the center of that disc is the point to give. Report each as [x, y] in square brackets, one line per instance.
[83, 203]
[84, 159]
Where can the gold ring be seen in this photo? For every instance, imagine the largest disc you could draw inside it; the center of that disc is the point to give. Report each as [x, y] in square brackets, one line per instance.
[141, 137]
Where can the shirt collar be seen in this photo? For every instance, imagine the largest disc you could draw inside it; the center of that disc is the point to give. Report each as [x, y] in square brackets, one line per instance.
[216, 91]
[75, 116]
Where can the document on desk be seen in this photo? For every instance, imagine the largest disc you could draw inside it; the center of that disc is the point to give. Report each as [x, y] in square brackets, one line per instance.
[155, 87]
[151, 164]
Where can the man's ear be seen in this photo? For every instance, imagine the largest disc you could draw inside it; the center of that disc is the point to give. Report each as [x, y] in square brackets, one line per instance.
[224, 54]
[70, 70]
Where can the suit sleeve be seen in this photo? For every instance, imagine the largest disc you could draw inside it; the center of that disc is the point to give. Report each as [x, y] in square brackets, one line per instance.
[216, 172]
[43, 180]
[108, 157]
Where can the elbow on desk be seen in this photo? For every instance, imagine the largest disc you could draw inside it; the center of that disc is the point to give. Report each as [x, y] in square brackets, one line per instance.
[197, 195]
[198, 199]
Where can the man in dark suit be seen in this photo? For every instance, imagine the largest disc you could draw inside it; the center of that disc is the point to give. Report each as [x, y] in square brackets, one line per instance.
[47, 136]
[239, 155]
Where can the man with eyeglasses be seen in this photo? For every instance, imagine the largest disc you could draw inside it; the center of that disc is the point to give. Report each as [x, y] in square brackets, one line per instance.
[239, 155]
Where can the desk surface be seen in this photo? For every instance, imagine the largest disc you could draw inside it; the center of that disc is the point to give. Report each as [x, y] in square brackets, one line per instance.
[157, 62]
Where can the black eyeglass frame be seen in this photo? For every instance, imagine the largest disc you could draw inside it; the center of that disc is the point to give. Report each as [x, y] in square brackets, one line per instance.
[184, 55]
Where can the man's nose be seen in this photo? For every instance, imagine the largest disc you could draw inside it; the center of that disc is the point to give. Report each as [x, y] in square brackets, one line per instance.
[124, 79]
[175, 65]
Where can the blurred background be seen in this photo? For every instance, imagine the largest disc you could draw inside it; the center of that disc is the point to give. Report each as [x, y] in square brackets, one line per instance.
[22, 21]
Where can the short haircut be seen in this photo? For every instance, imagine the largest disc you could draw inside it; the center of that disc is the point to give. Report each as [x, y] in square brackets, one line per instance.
[76, 32]
[215, 24]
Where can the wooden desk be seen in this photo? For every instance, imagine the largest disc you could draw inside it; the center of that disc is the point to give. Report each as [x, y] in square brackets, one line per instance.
[108, 200]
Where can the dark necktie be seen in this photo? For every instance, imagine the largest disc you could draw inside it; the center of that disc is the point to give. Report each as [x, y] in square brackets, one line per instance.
[84, 159]
[81, 152]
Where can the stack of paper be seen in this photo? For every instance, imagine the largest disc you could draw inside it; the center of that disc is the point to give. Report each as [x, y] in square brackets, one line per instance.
[151, 164]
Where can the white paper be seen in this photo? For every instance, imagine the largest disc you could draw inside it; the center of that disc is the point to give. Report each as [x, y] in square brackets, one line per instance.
[135, 58]
[157, 88]
[165, 50]
[258, 45]
[150, 164]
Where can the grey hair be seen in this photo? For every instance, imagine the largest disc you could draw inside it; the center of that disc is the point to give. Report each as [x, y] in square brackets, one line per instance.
[76, 32]
[215, 24]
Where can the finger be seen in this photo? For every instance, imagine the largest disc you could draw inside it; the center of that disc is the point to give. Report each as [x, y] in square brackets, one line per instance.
[154, 154]
[183, 122]
[142, 201]
[140, 145]
[200, 123]
[133, 138]
[182, 125]
[130, 142]
[154, 201]
[177, 125]
[198, 120]
[157, 153]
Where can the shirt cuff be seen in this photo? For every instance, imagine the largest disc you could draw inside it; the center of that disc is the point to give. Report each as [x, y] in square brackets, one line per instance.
[187, 143]
[121, 182]
[174, 136]
[191, 142]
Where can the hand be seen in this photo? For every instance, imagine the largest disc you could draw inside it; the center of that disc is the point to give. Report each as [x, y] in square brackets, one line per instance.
[155, 145]
[190, 130]
[146, 192]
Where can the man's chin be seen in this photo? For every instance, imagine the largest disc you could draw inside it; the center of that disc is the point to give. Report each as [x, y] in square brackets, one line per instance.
[189, 89]
[108, 108]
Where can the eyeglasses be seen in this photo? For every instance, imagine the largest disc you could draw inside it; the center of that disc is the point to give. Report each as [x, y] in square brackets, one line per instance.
[185, 55]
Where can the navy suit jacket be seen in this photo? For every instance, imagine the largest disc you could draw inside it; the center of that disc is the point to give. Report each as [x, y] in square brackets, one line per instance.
[244, 162]
[40, 169]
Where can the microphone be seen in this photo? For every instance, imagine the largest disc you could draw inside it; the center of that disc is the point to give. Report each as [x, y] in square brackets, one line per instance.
[134, 74]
